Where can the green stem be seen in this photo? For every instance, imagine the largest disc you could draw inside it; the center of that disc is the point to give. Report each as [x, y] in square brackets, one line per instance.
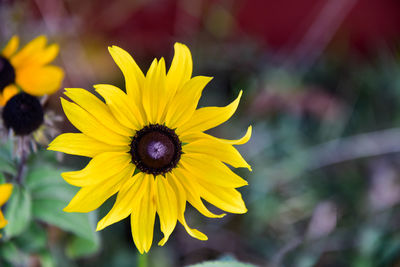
[22, 163]
[142, 260]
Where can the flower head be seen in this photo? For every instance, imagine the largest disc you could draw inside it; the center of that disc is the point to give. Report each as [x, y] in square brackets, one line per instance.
[5, 193]
[28, 69]
[149, 146]
[26, 75]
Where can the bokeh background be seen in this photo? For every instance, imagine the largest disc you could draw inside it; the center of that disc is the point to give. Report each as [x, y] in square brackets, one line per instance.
[321, 83]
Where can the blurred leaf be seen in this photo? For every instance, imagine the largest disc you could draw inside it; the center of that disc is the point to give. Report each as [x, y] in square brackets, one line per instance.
[50, 195]
[45, 182]
[46, 260]
[34, 239]
[2, 178]
[10, 253]
[222, 264]
[18, 212]
[78, 247]
[7, 166]
[50, 210]
[42, 173]
[6, 162]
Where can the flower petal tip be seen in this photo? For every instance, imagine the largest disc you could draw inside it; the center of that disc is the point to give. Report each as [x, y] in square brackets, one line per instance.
[67, 209]
[205, 238]
[100, 226]
[163, 241]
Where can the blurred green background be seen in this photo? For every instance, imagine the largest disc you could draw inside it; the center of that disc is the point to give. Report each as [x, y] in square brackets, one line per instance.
[321, 83]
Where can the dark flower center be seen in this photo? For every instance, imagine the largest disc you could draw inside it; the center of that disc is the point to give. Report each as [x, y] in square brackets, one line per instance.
[7, 73]
[23, 113]
[156, 149]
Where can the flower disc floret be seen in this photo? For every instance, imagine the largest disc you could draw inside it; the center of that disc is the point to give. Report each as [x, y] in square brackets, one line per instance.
[7, 73]
[156, 149]
[23, 113]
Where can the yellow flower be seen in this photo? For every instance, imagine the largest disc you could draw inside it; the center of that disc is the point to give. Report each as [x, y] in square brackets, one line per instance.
[5, 193]
[149, 146]
[28, 69]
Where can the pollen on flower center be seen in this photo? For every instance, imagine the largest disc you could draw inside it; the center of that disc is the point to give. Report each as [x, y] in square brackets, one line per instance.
[156, 149]
[7, 73]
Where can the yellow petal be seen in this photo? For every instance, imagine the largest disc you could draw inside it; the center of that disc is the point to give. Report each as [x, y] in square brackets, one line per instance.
[143, 216]
[193, 137]
[3, 221]
[146, 99]
[159, 93]
[131, 192]
[192, 232]
[100, 168]
[125, 112]
[184, 103]
[88, 125]
[5, 193]
[11, 47]
[227, 199]
[209, 117]
[181, 68]
[216, 172]
[166, 207]
[240, 141]
[90, 198]
[28, 51]
[219, 150]
[97, 109]
[47, 55]
[192, 192]
[39, 81]
[8, 92]
[41, 56]
[154, 92]
[181, 201]
[134, 77]
[82, 145]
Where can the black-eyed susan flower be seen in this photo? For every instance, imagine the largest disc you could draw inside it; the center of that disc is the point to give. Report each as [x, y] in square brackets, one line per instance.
[5, 193]
[28, 69]
[149, 146]
[26, 75]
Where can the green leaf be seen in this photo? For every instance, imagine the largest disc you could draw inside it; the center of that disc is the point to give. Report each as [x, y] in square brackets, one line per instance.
[2, 178]
[10, 253]
[222, 264]
[50, 195]
[18, 212]
[42, 176]
[7, 166]
[79, 247]
[6, 161]
[46, 260]
[51, 211]
[33, 240]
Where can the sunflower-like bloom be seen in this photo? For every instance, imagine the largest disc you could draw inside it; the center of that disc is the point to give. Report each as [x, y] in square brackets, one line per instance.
[5, 193]
[149, 146]
[28, 69]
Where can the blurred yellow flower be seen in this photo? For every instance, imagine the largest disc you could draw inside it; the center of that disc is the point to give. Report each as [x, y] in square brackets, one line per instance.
[28, 69]
[149, 146]
[5, 193]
